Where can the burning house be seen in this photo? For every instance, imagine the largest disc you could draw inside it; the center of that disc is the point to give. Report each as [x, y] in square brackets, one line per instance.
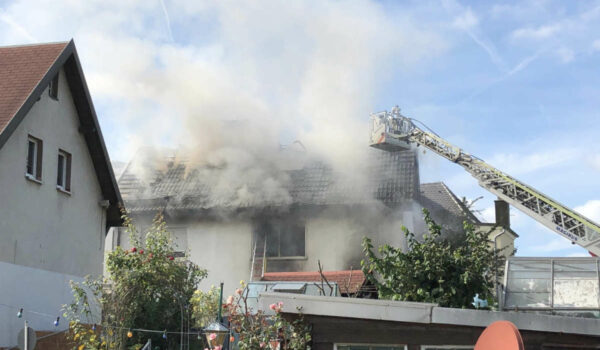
[243, 225]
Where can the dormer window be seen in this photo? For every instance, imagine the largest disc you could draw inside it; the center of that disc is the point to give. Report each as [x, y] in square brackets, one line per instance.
[53, 90]
[33, 170]
[63, 177]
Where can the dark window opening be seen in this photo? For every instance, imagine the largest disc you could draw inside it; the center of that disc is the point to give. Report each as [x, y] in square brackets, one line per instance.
[53, 91]
[284, 238]
[63, 177]
[33, 167]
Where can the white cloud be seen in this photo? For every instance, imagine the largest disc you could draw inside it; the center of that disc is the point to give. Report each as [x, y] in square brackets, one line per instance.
[522, 163]
[596, 45]
[466, 20]
[565, 54]
[590, 209]
[540, 32]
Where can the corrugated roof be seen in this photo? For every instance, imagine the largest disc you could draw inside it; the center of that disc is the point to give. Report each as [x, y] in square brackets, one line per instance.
[348, 281]
[21, 69]
[391, 178]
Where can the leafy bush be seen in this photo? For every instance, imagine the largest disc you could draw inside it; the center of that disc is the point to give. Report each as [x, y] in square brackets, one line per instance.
[433, 270]
[148, 288]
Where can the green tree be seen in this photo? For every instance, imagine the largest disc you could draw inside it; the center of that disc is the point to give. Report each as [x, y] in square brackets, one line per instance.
[147, 288]
[434, 269]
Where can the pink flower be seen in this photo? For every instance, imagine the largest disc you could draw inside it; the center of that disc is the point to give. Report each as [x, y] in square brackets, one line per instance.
[280, 304]
[218, 347]
[273, 307]
[262, 344]
[230, 299]
[212, 336]
[206, 349]
[238, 291]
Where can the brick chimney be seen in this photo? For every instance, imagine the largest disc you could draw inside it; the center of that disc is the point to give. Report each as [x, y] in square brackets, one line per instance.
[502, 213]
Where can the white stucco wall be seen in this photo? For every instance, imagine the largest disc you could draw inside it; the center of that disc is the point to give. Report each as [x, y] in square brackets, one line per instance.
[40, 226]
[332, 236]
[47, 237]
[40, 293]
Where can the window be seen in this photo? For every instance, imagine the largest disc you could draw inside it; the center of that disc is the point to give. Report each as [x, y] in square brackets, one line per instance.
[33, 170]
[285, 238]
[53, 89]
[179, 236]
[63, 178]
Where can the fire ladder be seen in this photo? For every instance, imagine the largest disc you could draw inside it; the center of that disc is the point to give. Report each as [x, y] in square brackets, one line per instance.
[259, 257]
[391, 131]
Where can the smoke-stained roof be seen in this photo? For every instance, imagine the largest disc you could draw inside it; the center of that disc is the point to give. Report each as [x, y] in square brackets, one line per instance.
[390, 177]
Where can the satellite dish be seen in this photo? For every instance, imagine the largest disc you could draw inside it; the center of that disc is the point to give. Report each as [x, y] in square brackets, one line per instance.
[31, 339]
[500, 335]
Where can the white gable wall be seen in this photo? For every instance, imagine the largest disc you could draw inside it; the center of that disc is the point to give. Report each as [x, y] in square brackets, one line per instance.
[40, 226]
[48, 237]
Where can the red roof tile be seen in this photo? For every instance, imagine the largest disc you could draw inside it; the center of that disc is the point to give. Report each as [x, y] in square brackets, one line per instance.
[349, 281]
[21, 69]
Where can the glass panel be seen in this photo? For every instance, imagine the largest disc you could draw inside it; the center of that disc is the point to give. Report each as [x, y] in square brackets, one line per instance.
[530, 274]
[272, 237]
[527, 300]
[576, 293]
[530, 265]
[61, 169]
[30, 157]
[530, 285]
[292, 240]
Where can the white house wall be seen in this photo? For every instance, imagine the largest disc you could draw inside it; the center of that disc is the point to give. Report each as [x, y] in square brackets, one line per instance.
[332, 236]
[47, 237]
[40, 226]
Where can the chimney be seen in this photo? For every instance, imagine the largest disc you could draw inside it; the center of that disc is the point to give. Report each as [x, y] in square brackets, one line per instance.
[502, 213]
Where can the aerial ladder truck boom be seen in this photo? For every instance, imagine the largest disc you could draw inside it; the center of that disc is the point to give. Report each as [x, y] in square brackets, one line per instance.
[391, 131]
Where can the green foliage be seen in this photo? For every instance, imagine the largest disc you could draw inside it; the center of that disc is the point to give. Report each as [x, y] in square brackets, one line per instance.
[433, 270]
[147, 289]
[205, 306]
[257, 330]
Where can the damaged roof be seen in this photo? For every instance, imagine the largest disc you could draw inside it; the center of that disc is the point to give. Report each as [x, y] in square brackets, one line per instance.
[391, 178]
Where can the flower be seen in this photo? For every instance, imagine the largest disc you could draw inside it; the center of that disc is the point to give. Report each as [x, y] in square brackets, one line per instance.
[230, 299]
[273, 307]
[262, 344]
[238, 291]
[212, 336]
[141, 251]
[134, 249]
[171, 258]
[231, 339]
[218, 347]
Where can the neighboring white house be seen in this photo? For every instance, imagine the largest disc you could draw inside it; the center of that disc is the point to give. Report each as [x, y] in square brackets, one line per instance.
[58, 194]
[320, 217]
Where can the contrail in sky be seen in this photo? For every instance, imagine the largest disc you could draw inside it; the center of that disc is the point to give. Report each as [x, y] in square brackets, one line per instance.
[164, 8]
[8, 20]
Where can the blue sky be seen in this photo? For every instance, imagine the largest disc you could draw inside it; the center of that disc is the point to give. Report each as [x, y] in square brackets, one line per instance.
[513, 82]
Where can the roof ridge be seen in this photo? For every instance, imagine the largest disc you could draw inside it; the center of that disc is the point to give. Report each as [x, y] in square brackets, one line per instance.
[36, 44]
[459, 203]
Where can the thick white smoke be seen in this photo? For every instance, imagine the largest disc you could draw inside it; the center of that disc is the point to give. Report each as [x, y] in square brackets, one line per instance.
[239, 79]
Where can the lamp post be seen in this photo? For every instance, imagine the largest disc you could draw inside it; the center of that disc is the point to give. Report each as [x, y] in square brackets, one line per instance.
[215, 332]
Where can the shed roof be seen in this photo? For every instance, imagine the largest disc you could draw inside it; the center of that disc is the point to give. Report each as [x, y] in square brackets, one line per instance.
[348, 281]
[424, 313]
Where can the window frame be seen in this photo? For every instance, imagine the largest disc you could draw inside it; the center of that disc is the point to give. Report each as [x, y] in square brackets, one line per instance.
[65, 186]
[277, 225]
[53, 88]
[36, 163]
